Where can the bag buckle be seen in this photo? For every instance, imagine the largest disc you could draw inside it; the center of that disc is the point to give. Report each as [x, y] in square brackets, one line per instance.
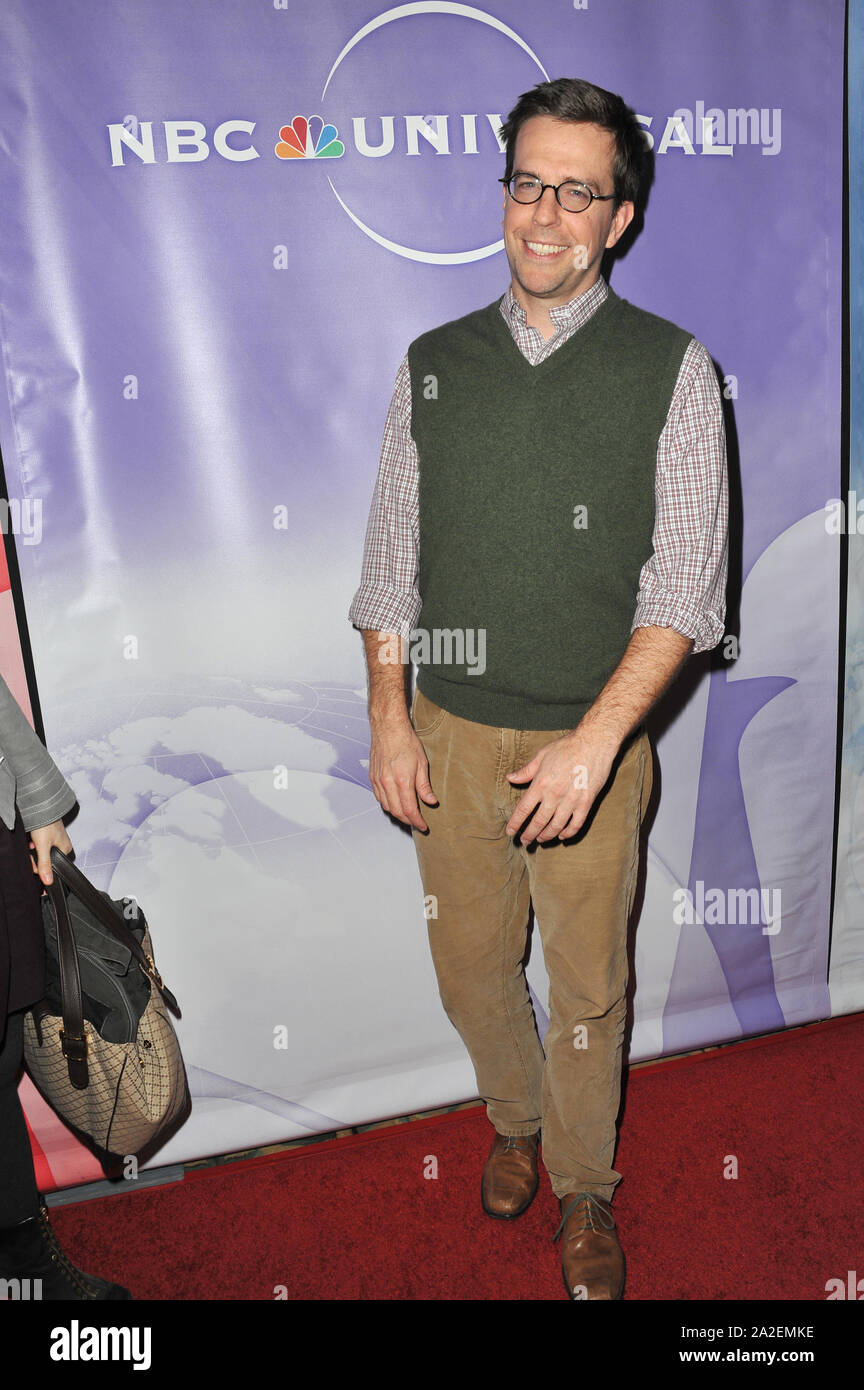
[73, 1047]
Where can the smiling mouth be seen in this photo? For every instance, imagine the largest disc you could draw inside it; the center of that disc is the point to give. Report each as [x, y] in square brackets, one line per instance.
[544, 250]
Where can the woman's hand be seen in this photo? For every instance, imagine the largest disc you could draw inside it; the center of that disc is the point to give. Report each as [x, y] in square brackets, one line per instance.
[41, 841]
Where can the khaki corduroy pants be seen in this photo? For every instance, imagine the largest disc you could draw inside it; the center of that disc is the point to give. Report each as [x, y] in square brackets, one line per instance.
[582, 891]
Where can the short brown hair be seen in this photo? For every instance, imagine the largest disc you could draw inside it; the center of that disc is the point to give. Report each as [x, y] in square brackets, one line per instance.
[572, 99]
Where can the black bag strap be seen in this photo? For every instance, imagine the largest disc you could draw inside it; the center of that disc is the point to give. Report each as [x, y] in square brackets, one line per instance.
[111, 919]
[72, 1036]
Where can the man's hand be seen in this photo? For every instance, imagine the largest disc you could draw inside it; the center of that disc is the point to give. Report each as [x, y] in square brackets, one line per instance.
[566, 778]
[651, 661]
[398, 768]
[399, 772]
[41, 841]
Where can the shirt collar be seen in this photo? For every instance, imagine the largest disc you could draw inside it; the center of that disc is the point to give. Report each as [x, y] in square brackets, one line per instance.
[571, 315]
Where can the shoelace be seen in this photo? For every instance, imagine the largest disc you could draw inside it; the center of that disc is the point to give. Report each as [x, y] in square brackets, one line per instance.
[593, 1208]
[514, 1140]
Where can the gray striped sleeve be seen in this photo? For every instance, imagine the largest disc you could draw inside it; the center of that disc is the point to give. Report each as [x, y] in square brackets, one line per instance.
[43, 795]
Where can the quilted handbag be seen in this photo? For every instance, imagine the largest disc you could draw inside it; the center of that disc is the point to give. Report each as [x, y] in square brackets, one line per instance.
[100, 1046]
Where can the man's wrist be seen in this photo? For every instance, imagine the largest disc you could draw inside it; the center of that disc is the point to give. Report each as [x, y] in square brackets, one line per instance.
[389, 714]
[605, 731]
[606, 725]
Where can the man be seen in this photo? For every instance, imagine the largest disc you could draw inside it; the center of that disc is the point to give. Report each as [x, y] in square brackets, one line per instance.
[552, 485]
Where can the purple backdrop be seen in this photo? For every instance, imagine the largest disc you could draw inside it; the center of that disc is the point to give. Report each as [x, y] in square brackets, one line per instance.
[198, 356]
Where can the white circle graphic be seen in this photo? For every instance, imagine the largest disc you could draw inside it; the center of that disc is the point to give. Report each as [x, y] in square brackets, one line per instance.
[401, 12]
[410, 254]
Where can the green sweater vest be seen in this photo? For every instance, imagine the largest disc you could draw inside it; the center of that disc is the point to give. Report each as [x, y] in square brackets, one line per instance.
[536, 508]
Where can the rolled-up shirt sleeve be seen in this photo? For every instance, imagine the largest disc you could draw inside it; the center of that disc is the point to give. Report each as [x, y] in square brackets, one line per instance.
[683, 584]
[387, 599]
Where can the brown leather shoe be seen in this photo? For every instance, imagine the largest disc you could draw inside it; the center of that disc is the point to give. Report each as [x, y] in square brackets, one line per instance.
[510, 1177]
[592, 1261]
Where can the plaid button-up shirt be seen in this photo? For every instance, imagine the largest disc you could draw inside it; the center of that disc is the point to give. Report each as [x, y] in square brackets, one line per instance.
[682, 585]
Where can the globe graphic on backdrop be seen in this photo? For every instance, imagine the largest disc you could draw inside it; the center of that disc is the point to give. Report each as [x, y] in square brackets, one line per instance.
[287, 910]
[240, 816]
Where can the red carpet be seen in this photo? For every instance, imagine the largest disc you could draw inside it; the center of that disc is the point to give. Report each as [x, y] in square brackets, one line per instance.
[356, 1219]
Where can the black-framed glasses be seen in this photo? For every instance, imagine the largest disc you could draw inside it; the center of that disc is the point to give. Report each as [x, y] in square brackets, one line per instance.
[571, 196]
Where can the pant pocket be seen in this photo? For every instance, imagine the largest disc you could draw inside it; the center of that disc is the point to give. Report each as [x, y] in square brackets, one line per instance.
[426, 716]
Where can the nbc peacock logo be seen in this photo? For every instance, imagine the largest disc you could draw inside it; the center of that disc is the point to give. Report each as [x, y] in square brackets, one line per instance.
[309, 139]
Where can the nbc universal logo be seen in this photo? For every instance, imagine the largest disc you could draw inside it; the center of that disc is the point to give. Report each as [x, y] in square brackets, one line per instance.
[310, 137]
[700, 131]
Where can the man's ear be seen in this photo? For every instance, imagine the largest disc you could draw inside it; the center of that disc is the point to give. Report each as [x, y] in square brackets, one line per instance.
[624, 214]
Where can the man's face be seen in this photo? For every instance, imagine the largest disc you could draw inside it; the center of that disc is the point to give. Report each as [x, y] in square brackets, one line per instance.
[555, 151]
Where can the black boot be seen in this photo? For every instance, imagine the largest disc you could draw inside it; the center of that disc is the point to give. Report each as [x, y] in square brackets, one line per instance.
[31, 1251]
